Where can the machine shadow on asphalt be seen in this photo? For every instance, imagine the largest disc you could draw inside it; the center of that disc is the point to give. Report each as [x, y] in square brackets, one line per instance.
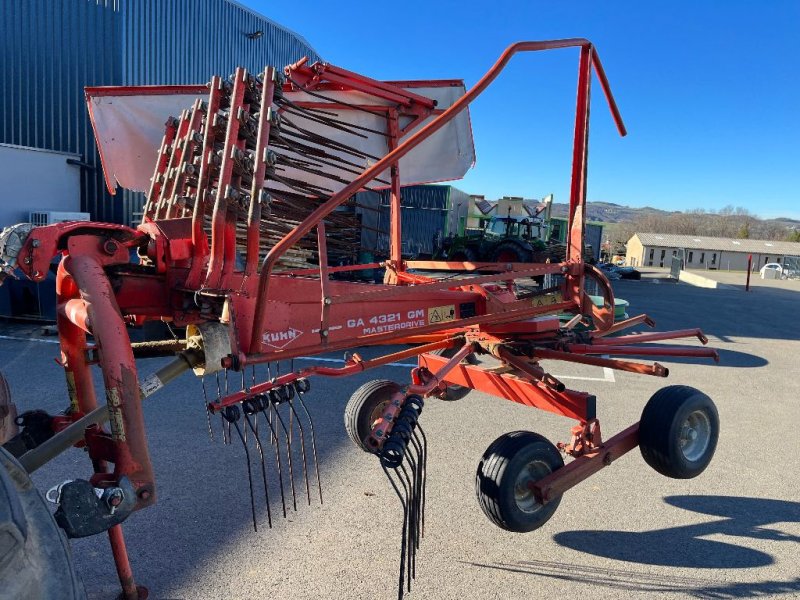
[681, 547]
[684, 546]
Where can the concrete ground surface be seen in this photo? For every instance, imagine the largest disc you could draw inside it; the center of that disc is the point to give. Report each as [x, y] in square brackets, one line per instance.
[627, 532]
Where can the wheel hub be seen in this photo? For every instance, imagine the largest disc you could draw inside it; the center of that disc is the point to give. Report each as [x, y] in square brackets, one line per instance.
[377, 413]
[695, 435]
[523, 487]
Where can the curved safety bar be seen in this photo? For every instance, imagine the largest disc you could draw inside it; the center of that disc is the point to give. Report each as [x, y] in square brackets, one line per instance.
[404, 148]
[603, 317]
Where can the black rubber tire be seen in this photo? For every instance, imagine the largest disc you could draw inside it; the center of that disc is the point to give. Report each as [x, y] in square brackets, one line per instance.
[360, 412]
[462, 255]
[455, 392]
[662, 426]
[496, 479]
[510, 248]
[35, 561]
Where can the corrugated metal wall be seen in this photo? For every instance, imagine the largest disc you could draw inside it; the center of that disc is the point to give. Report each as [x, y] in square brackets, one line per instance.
[51, 49]
[425, 210]
[188, 41]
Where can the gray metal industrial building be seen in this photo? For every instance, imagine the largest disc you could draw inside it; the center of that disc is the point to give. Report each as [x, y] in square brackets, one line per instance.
[52, 49]
[425, 210]
[703, 252]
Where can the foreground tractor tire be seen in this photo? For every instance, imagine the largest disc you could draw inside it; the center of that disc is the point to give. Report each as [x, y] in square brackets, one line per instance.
[678, 431]
[455, 392]
[8, 413]
[512, 462]
[511, 252]
[366, 406]
[35, 559]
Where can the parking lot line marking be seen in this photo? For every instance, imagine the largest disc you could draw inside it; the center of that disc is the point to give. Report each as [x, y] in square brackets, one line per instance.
[608, 376]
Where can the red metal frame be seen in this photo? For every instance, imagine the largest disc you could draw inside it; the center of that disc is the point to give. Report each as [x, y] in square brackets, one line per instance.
[278, 315]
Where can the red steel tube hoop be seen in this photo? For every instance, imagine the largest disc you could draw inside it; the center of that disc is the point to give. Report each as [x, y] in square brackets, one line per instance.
[259, 321]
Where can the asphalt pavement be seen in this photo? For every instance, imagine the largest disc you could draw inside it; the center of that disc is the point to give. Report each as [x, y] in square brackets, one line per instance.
[627, 532]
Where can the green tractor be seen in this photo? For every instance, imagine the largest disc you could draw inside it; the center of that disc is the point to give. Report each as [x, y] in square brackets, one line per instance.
[502, 239]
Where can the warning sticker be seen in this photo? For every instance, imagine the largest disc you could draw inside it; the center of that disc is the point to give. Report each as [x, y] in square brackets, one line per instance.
[441, 314]
[548, 299]
[150, 385]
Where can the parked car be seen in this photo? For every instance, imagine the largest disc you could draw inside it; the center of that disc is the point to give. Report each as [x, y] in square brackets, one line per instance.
[773, 271]
[616, 272]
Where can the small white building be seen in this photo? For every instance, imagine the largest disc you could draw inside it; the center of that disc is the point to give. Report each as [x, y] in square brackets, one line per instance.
[702, 252]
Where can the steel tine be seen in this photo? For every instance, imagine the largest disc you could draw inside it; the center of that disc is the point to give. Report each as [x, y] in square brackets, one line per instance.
[402, 495]
[208, 412]
[288, 454]
[263, 465]
[232, 416]
[244, 390]
[409, 532]
[302, 446]
[291, 415]
[424, 445]
[245, 435]
[225, 426]
[253, 382]
[266, 405]
[271, 408]
[313, 443]
[413, 543]
[418, 479]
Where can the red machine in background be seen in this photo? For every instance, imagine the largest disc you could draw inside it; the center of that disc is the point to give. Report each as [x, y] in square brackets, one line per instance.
[242, 213]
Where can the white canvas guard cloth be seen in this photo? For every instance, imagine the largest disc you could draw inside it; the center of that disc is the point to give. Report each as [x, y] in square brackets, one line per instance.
[129, 125]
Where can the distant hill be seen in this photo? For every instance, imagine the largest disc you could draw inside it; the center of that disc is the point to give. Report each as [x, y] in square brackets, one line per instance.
[791, 223]
[608, 212]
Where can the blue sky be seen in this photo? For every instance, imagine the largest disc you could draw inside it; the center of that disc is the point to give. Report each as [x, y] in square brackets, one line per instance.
[709, 91]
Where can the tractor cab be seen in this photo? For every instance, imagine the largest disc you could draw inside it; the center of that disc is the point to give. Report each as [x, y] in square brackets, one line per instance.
[514, 227]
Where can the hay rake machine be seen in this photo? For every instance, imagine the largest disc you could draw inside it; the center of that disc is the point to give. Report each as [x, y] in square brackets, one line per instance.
[248, 202]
